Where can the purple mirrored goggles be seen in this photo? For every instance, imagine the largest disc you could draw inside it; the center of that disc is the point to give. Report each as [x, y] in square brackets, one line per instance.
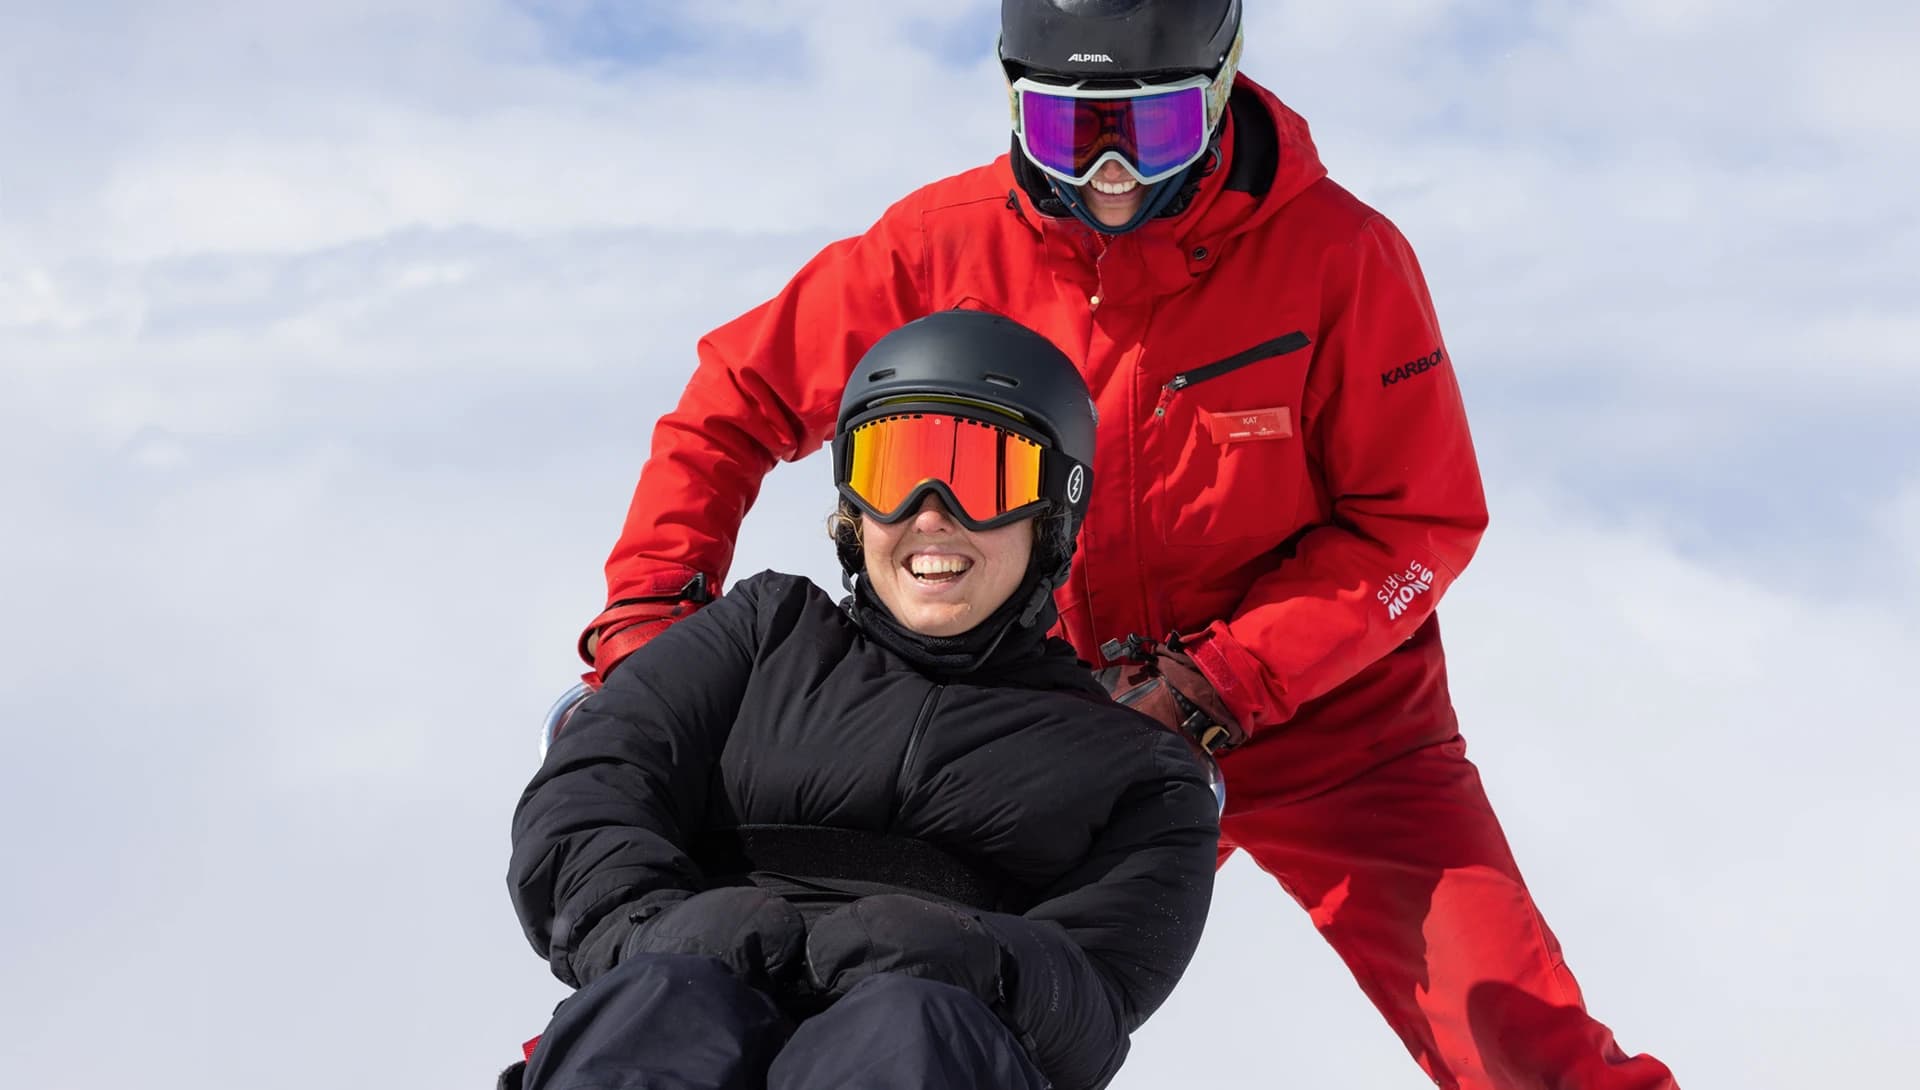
[1154, 130]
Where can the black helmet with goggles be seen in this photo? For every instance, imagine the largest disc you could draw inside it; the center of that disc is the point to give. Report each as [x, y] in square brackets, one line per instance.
[977, 409]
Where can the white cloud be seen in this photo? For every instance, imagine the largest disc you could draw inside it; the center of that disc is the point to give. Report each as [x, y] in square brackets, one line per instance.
[226, 138]
[1899, 523]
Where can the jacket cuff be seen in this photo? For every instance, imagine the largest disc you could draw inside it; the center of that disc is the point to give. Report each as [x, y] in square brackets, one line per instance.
[1237, 678]
[658, 595]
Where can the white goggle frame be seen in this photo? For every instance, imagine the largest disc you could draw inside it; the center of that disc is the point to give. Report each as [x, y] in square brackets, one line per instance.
[1210, 116]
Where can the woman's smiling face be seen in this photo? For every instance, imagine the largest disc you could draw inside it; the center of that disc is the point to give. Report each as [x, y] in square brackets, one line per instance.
[939, 578]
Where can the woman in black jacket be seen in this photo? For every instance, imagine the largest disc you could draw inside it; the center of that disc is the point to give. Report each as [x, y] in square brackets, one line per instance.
[907, 841]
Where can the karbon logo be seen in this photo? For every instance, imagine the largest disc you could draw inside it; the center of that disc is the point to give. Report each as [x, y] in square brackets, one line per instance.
[1089, 58]
[1415, 367]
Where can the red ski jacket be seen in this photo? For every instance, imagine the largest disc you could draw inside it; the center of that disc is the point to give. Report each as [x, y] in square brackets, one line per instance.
[1283, 475]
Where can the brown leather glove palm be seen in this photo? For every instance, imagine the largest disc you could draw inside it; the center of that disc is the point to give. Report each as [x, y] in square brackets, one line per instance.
[1169, 687]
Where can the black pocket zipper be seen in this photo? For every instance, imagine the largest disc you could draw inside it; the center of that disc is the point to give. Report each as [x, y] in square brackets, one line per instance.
[1279, 346]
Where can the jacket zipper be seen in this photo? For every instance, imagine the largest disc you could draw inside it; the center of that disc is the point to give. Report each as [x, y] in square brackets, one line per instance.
[913, 745]
[1101, 245]
[1279, 346]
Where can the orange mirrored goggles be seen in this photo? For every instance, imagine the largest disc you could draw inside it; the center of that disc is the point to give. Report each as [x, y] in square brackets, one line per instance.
[988, 474]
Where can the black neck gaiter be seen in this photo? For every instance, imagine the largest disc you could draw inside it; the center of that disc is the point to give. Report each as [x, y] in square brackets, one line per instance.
[994, 644]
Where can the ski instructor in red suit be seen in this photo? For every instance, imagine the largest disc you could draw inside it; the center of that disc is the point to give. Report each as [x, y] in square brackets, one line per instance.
[1288, 489]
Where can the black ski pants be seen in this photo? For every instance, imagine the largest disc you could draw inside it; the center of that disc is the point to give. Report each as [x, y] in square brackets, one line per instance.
[679, 1022]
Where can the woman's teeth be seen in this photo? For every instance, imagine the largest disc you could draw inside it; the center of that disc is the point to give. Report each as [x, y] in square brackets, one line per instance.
[938, 567]
[1114, 189]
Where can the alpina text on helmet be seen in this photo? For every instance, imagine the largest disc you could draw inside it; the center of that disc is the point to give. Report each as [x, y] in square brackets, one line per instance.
[1089, 58]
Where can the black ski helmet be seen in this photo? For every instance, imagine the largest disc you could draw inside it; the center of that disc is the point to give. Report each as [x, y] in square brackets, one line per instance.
[990, 368]
[1092, 39]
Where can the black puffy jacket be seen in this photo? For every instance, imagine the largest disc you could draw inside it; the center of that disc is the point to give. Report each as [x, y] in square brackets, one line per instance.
[1081, 833]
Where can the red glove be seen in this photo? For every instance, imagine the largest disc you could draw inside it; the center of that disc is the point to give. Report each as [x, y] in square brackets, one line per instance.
[627, 625]
[1164, 683]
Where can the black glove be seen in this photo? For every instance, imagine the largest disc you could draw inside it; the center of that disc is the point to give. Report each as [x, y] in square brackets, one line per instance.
[1166, 685]
[901, 933]
[756, 934]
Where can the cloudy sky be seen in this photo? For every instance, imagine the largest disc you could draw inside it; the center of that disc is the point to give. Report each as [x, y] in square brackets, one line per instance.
[330, 340]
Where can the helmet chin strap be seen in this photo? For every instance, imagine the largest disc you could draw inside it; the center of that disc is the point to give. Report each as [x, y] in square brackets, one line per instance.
[1036, 602]
[1051, 560]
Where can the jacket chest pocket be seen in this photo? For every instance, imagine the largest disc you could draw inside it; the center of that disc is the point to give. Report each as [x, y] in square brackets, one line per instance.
[1226, 439]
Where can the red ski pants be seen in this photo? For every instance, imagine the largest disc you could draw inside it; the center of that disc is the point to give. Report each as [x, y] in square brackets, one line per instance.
[1405, 871]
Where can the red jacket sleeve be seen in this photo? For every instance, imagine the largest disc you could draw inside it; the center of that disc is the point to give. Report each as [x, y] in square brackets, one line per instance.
[1387, 431]
[767, 387]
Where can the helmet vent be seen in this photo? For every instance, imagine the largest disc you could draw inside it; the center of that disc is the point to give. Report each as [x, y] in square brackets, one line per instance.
[882, 374]
[1001, 380]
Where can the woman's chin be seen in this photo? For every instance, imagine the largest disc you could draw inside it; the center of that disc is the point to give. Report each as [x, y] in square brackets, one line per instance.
[938, 619]
[1114, 211]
